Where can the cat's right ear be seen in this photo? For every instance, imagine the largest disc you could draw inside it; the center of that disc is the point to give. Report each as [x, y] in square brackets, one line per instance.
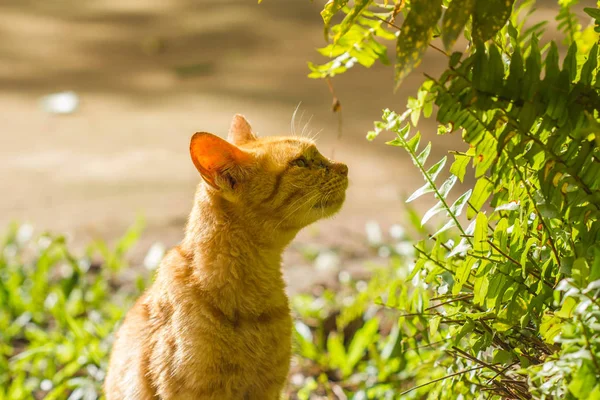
[240, 131]
[216, 159]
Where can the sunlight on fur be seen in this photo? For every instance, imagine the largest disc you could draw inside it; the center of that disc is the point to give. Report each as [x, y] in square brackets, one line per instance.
[216, 322]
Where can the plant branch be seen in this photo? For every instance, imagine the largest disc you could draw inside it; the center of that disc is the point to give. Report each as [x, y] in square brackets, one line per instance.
[438, 380]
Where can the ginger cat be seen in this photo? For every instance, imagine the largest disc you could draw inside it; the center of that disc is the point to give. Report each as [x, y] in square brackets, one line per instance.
[216, 322]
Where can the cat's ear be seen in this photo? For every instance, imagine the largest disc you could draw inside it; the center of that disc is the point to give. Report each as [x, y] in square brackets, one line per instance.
[240, 131]
[216, 159]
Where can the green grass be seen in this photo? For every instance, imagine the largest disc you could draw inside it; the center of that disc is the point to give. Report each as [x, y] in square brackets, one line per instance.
[57, 314]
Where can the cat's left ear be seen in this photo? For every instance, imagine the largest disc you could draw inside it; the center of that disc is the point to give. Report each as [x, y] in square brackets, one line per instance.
[240, 131]
[217, 161]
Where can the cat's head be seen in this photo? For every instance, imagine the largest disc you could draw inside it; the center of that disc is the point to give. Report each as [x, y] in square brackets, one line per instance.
[282, 181]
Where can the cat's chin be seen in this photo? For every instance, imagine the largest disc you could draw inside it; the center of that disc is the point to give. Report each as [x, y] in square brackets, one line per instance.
[329, 207]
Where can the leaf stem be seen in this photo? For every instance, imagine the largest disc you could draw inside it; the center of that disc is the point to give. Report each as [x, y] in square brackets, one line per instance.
[413, 155]
[438, 380]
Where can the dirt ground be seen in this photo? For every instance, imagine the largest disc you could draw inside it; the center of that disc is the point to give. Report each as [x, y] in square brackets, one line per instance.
[151, 73]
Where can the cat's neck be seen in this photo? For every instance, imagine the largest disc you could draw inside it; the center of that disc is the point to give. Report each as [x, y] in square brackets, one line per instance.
[233, 258]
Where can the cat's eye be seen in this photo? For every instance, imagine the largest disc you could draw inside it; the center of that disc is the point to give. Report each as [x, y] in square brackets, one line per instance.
[300, 162]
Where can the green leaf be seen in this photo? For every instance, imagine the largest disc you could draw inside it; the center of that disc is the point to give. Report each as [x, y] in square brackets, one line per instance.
[580, 272]
[455, 19]
[350, 18]
[434, 324]
[432, 212]
[500, 234]
[480, 289]
[570, 61]
[393, 347]
[502, 357]
[595, 393]
[489, 17]
[413, 143]
[417, 268]
[551, 63]
[415, 35]
[592, 12]
[422, 157]
[447, 186]
[336, 350]
[486, 153]
[435, 169]
[361, 341]
[525, 254]
[567, 308]
[590, 65]
[329, 10]
[481, 192]
[459, 166]
[595, 268]
[448, 225]
[584, 381]
[459, 204]
[466, 328]
[480, 241]
[551, 327]
[464, 271]
[420, 192]
[513, 85]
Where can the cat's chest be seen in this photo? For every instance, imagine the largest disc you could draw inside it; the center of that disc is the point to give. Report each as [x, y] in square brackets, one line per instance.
[209, 332]
[244, 351]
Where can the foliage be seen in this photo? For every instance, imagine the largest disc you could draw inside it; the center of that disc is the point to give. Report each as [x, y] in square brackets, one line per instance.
[350, 342]
[502, 300]
[57, 314]
[508, 286]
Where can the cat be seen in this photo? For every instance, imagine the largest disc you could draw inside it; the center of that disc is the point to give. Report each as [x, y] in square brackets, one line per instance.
[216, 323]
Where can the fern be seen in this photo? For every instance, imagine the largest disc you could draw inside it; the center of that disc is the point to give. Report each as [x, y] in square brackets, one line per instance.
[568, 23]
[359, 44]
[520, 275]
[532, 138]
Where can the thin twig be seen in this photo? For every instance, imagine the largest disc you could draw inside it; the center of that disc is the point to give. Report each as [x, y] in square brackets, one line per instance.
[465, 297]
[439, 379]
[519, 264]
[500, 373]
[399, 28]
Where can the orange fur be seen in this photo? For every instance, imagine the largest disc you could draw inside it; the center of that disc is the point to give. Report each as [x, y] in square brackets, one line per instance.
[216, 322]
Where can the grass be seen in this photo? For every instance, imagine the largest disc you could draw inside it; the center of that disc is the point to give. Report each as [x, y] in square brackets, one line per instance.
[58, 313]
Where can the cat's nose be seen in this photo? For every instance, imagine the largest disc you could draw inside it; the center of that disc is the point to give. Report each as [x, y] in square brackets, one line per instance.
[340, 168]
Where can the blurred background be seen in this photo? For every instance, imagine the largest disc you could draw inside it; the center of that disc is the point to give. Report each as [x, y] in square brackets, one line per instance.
[100, 98]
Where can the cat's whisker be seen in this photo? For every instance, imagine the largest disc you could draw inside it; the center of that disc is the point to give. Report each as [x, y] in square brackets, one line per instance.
[308, 210]
[315, 194]
[299, 199]
[306, 125]
[324, 201]
[314, 137]
[303, 187]
[300, 120]
[293, 121]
